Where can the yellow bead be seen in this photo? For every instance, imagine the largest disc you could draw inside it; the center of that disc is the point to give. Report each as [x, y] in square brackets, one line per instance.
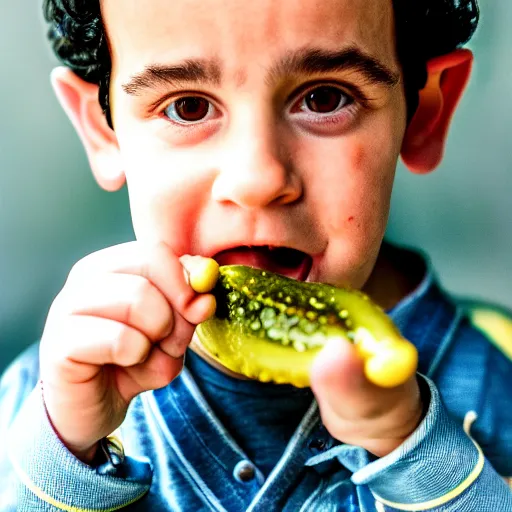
[203, 275]
[392, 365]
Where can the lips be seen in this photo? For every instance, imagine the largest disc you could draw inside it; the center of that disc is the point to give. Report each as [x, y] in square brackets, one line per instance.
[280, 260]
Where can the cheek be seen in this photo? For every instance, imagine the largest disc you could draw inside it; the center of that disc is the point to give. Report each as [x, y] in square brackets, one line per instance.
[356, 192]
[352, 208]
[165, 197]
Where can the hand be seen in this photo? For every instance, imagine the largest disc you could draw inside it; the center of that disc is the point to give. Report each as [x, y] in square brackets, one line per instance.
[119, 327]
[357, 412]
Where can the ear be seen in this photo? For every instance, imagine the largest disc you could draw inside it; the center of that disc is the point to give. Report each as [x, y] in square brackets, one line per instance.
[425, 138]
[79, 99]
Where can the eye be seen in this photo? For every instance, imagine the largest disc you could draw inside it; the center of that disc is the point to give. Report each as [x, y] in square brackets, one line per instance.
[189, 110]
[325, 99]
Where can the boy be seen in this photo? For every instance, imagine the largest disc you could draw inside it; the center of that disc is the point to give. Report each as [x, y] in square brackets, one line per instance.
[263, 133]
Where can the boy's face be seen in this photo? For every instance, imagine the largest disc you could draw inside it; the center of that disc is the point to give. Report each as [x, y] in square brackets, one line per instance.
[259, 123]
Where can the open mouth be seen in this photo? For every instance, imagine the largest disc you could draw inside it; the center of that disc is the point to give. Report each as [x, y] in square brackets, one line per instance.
[280, 260]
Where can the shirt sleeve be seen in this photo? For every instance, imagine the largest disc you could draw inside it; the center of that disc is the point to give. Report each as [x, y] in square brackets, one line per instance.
[440, 468]
[43, 475]
[15, 384]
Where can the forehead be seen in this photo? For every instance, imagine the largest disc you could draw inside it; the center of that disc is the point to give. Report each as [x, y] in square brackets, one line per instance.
[242, 35]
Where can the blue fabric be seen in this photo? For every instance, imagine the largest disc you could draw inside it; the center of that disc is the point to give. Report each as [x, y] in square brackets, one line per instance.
[180, 457]
[261, 417]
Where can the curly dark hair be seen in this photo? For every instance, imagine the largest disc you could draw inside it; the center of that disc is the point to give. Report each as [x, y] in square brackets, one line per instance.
[424, 29]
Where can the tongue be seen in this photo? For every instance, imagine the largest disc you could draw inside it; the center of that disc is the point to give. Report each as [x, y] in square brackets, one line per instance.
[287, 262]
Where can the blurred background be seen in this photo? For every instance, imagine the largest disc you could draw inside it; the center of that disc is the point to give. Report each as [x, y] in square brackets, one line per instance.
[52, 213]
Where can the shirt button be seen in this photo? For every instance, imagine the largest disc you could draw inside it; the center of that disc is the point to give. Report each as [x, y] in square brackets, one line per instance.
[318, 445]
[244, 471]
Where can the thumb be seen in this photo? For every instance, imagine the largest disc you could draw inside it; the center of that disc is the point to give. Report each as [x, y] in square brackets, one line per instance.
[340, 386]
[338, 365]
[337, 375]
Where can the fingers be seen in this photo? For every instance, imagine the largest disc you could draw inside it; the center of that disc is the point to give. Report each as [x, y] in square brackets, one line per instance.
[83, 344]
[95, 342]
[140, 288]
[129, 299]
[158, 264]
[120, 304]
[119, 327]
[91, 368]
[162, 268]
[157, 371]
[124, 300]
[176, 344]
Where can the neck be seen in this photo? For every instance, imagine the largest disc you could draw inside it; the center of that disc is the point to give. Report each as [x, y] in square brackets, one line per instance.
[396, 274]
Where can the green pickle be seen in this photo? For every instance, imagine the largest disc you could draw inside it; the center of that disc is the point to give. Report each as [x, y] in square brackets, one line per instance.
[270, 327]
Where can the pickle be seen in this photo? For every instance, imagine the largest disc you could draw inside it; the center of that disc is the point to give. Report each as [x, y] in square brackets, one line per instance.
[270, 328]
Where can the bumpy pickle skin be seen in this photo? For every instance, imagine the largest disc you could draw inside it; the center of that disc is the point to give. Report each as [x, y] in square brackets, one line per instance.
[269, 327]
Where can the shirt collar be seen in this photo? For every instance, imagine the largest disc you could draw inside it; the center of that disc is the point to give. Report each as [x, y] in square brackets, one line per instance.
[427, 317]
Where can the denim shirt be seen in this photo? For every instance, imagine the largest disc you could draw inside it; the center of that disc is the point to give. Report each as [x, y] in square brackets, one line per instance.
[177, 456]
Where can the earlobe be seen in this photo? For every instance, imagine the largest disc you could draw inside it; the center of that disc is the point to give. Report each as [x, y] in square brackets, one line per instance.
[425, 138]
[79, 99]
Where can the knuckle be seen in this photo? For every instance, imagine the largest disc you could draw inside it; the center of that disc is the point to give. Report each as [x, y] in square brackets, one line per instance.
[165, 375]
[142, 294]
[178, 348]
[162, 326]
[149, 310]
[137, 305]
[175, 345]
[129, 347]
[164, 320]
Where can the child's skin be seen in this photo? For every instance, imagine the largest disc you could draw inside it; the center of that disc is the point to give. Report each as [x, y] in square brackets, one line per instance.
[261, 167]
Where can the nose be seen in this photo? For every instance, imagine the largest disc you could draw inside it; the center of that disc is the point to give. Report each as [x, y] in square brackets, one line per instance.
[256, 168]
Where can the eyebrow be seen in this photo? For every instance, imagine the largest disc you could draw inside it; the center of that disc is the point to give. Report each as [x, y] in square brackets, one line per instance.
[317, 61]
[192, 70]
[309, 61]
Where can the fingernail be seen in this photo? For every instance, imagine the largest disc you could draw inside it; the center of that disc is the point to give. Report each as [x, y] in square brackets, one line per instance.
[200, 273]
[189, 263]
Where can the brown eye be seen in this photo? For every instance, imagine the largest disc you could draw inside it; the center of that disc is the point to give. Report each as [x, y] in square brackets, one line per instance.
[190, 109]
[325, 100]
